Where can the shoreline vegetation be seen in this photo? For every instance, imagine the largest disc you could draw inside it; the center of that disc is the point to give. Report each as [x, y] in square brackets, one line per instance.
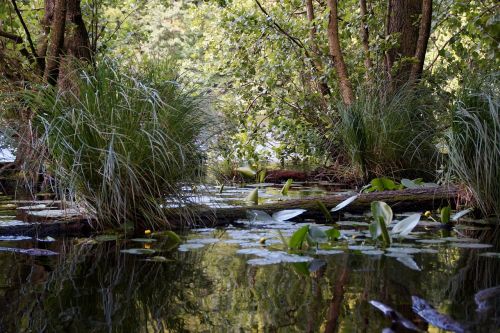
[120, 121]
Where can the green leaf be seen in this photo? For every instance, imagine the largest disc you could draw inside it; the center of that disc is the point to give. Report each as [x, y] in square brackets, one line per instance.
[298, 238]
[388, 184]
[383, 210]
[409, 183]
[262, 175]
[246, 171]
[286, 187]
[405, 226]
[333, 234]
[317, 235]
[445, 214]
[253, 196]
[324, 210]
[287, 214]
[385, 234]
[344, 203]
[375, 230]
[377, 184]
[460, 214]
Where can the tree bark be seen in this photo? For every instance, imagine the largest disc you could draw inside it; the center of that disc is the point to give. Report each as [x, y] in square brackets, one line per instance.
[365, 36]
[76, 45]
[318, 66]
[56, 45]
[336, 53]
[402, 23]
[423, 39]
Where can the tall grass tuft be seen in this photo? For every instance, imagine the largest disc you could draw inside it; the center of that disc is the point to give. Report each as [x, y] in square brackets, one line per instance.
[389, 133]
[474, 140]
[123, 141]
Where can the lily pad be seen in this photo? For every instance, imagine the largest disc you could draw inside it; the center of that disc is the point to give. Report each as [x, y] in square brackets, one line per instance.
[106, 238]
[361, 247]
[190, 246]
[138, 251]
[471, 245]
[143, 240]
[373, 252]
[431, 241]
[328, 252]
[491, 255]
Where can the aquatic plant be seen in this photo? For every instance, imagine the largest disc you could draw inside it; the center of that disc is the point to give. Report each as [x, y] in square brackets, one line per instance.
[384, 133]
[474, 141]
[123, 141]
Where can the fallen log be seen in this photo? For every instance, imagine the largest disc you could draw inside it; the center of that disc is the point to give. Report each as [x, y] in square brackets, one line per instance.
[202, 216]
[406, 200]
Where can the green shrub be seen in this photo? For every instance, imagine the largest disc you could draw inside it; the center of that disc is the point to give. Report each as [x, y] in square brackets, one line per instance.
[122, 141]
[474, 140]
[389, 133]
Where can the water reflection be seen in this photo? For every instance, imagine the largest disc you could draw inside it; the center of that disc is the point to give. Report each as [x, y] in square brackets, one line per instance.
[94, 288]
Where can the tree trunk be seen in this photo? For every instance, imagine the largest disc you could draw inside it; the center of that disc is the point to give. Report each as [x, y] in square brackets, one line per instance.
[365, 37]
[55, 47]
[423, 38]
[402, 24]
[76, 45]
[318, 66]
[336, 53]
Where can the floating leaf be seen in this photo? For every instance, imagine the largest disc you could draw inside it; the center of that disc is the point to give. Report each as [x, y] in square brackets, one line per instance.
[445, 214]
[286, 187]
[287, 214]
[246, 171]
[471, 245]
[138, 251]
[158, 259]
[106, 238]
[460, 214]
[344, 203]
[253, 196]
[298, 238]
[373, 252]
[491, 254]
[404, 227]
[143, 240]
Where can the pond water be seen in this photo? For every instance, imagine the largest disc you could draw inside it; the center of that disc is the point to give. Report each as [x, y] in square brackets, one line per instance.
[242, 279]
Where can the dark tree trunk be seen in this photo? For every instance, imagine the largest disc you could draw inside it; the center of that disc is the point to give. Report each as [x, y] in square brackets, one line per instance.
[55, 47]
[76, 45]
[336, 53]
[403, 24]
[365, 36]
[423, 39]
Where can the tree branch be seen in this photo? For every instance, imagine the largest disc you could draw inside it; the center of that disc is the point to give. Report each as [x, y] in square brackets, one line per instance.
[28, 35]
[294, 40]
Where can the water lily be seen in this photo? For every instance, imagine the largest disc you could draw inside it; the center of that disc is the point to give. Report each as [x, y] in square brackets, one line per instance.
[147, 232]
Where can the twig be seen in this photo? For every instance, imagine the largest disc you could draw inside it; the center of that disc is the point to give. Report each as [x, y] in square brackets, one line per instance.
[294, 40]
[28, 35]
